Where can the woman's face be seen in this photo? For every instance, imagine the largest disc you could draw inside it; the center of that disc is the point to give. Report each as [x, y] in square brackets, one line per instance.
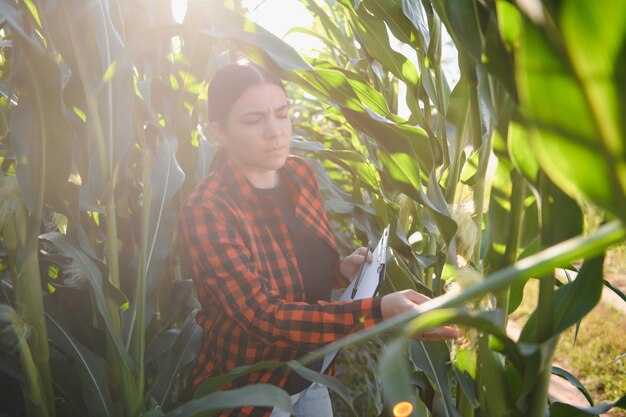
[257, 132]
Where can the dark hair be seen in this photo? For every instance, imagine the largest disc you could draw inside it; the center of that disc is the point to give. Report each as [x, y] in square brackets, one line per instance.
[230, 82]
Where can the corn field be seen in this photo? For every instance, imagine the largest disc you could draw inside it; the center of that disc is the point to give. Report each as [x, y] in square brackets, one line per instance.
[103, 133]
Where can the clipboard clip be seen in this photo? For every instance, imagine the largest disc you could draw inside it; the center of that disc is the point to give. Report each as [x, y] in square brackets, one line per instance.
[382, 256]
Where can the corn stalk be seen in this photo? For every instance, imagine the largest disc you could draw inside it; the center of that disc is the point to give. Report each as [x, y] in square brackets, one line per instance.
[34, 353]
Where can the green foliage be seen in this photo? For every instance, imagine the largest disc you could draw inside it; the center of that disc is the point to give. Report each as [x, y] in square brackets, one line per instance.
[356, 366]
[116, 91]
[528, 210]
[93, 139]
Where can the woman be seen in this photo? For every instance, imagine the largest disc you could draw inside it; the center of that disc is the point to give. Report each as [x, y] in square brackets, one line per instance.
[263, 257]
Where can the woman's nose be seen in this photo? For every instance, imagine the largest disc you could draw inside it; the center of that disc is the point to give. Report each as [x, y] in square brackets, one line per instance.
[273, 127]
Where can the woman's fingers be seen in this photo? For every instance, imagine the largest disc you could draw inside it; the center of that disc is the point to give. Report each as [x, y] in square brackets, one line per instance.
[402, 301]
[361, 253]
[355, 259]
[351, 264]
[438, 334]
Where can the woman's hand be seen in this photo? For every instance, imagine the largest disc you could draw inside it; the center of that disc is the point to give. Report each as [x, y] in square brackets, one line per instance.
[409, 300]
[350, 265]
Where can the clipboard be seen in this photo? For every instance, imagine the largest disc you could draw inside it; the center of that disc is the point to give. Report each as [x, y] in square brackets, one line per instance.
[369, 281]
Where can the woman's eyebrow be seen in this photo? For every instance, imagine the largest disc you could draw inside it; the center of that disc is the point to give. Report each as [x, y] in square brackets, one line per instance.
[253, 113]
[263, 112]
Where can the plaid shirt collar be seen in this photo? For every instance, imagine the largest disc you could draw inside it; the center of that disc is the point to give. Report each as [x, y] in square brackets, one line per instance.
[243, 191]
[243, 188]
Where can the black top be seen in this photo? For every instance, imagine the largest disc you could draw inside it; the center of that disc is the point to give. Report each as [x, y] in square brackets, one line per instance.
[316, 261]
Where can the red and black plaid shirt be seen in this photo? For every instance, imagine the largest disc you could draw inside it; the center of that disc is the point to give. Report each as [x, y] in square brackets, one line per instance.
[247, 278]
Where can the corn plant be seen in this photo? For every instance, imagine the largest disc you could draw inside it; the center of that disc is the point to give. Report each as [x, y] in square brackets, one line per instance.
[99, 111]
[530, 208]
[115, 89]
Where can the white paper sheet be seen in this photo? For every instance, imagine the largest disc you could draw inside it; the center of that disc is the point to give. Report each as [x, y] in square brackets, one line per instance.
[368, 284]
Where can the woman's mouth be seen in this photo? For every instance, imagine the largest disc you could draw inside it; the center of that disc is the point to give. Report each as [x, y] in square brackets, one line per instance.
[275, 150]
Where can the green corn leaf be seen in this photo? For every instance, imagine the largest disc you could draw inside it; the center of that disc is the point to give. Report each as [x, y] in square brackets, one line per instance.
[572, 380]
[558, 409]
[393, 371]
[166, 179]
[491, 382]
[616, 290]
[95, 280]
[398, 275]
[10, 366]
[227, 24]
[212, 384]
[337, 33]
[40, 135]
[521, 152]
[467, 384]
[355, 163]
[94, 388]
[333, 383]
[183, 352]
[161, 344]
[85, 35]
[474, 29]
[4, 124]
[369, 97]
[258, 395]
[432, 358]
[574, 301]
[11, 14]
[373, 35]
[67, 382]
[180, 294]
[393, 138]
[562, 217]
[438, 208]
[404, 20]
[568, 92]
